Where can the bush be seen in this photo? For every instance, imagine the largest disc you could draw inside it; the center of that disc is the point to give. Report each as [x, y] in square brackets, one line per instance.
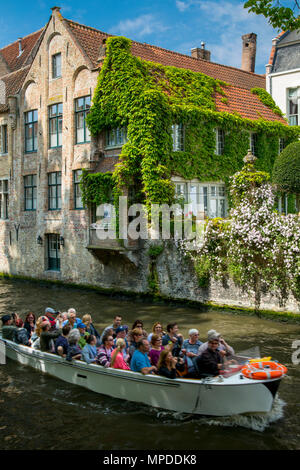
[286, 171]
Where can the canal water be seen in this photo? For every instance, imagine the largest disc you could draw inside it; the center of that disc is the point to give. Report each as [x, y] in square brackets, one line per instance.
[40, 412]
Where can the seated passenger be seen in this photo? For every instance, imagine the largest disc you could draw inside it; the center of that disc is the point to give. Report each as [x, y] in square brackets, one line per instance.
[72, 319]
[140, 361]
[64, 316]
[21, 336]
[8, 329]
[87, 320]
[105, 351]
[190, 349]
[173, 338]
[155, 349]
[116, 323]
[35, 337]
[136, 336]
[121, 333]
[47, 337]
[117, 358]
[157, 329]
[223, 347]
[61, 343]
[50, 313]
[83, 334]
[167, 364]
[211, 360]
[29, 324]
[140, 324]
[74, 351]
[89, 352]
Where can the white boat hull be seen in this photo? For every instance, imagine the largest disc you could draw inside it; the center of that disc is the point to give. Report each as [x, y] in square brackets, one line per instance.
[232, 396]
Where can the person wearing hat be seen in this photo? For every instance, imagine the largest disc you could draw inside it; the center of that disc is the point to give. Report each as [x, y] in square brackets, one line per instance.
[211, 360]
[83, 334]
[121, 332]
[8, 329]
[223, 347]
[49, 313]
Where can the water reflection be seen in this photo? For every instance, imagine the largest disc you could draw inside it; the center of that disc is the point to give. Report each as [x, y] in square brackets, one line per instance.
[36, 410]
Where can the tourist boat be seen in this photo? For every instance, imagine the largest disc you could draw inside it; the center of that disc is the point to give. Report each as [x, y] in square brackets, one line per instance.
[218, 396]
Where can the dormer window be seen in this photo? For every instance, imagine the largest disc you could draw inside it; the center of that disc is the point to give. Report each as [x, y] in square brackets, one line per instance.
[178, 137]
[56, 65]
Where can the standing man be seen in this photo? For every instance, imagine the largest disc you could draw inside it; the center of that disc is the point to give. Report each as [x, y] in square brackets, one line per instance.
[173, 339]
[117, 322]
[140, 361]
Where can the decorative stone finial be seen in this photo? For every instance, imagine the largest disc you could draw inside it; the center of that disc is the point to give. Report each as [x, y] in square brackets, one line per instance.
[249, 158]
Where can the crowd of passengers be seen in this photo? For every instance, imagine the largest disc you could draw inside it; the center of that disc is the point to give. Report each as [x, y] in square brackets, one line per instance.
[161, 352]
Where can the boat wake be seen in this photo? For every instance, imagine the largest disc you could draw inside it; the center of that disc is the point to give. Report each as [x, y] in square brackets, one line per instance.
[254, 421]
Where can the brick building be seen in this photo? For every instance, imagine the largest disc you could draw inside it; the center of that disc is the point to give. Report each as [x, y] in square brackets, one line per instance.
[50, 77]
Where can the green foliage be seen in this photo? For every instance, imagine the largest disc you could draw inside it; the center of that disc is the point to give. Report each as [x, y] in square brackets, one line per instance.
[96, 188]
[202, 267]
[245, 180]
[148, 98]
[278, 15]
[267, 100]
[155, 250]
[286, 172]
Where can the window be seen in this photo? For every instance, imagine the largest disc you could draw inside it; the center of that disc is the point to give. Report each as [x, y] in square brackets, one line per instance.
[55, 125]
[209, 198]
[3, 199]
[3, 139]
[116, 137]
[31, 127]
[30, 189]
[53, 252]
[54, 190]
[293, 106]
[56, 65]
[178, 137]
[220, 141]
[77, 190]
[82, 107]
[253, 144]
[282, 145]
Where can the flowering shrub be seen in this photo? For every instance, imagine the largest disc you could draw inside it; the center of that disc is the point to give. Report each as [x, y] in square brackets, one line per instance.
[257, 247]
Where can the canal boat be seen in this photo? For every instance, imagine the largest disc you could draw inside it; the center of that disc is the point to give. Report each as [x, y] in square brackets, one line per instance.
[215, 396]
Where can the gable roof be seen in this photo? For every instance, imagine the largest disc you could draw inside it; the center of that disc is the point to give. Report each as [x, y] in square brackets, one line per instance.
[239, 97]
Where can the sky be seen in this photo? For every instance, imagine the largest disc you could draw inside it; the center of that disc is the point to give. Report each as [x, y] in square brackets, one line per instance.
[179, 25]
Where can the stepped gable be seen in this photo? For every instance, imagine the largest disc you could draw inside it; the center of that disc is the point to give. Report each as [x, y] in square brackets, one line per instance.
[10, 53]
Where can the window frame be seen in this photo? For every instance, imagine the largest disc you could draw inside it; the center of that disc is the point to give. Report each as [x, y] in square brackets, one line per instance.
[84, 111]
[57, 118]
[54, 65]
[253, 143]
[206, 195]
[56, 265]
[57, 186]
[289, 102]
[33, 187]
[76, 183]
[3, 139]
[4, 199]
[34, 123]
[178, 137]
[115, 131]
[220, 144]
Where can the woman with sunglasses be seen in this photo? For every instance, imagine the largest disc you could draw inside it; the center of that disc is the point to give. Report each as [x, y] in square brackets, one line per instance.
[156, 349]
[105, 351]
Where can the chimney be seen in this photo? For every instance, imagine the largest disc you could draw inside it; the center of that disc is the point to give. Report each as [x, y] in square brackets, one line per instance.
[249, 52]
[202, 53]
[20, 46]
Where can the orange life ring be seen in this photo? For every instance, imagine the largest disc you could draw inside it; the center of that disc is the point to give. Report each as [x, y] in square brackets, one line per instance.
[264, 370]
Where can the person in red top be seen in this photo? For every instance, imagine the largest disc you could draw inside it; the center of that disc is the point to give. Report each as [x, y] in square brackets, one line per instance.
[50, 312]
[117, 358]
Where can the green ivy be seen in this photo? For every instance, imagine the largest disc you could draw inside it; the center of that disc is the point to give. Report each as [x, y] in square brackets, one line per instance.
[148, 98]
[267, 100]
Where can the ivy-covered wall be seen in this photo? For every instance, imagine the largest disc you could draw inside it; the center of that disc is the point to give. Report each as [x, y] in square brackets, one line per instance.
[148, 98]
